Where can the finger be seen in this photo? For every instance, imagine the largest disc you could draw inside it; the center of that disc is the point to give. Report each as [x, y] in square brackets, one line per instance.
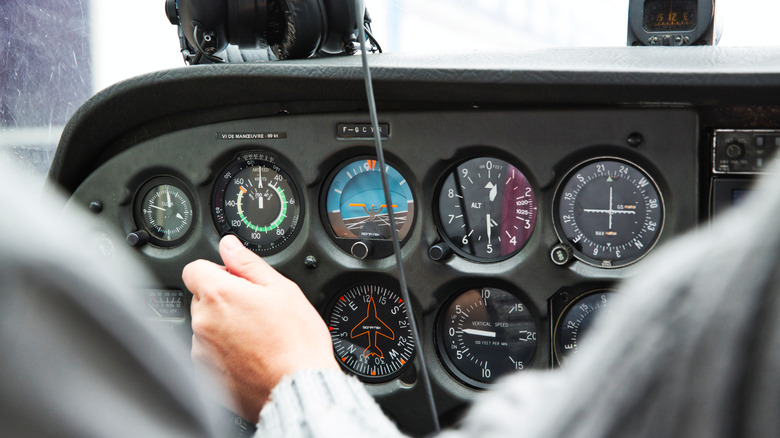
[204, 277]
[244, 263]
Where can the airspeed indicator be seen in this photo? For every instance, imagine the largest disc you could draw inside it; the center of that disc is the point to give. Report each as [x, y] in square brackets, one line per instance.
[257, 201]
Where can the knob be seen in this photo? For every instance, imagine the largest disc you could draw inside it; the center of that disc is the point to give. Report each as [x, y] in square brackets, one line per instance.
[560, 254]
[439, 252]
[137, 238]
[360, 250]
[734, 151]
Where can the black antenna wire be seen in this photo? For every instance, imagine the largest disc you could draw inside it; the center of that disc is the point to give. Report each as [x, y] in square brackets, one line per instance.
[396, 244]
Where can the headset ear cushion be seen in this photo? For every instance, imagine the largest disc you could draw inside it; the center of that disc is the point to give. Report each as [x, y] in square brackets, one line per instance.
[301, 30]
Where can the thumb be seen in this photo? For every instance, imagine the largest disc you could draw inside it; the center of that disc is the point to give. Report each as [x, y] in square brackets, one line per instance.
[243, 263]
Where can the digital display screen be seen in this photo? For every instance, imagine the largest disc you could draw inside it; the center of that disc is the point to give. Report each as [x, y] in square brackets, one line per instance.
[670, 15]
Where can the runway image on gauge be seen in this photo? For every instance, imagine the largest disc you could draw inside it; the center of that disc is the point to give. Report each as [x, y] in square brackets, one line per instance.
[371, 332]
[609, 211]
[356, 209]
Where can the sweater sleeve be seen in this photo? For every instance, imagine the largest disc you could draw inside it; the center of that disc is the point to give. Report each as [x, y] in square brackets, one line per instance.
[320, 404]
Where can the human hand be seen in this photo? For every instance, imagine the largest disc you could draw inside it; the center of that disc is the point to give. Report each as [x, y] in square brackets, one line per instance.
[252, 325]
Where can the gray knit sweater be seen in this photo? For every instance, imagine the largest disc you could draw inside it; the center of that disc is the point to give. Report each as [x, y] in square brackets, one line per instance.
[692, 351]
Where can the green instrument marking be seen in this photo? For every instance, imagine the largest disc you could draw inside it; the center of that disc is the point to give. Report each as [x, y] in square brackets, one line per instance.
[275, 224]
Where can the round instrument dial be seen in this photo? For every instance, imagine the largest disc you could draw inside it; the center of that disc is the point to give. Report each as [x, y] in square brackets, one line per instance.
[609, 211]
[484, 334]
[371, 333]
[256, 200]
[164, 210]
[487, 209]
[356, 210]
[576, 320]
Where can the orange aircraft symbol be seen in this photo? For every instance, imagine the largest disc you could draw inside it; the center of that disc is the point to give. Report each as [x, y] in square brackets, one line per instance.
[372, 325]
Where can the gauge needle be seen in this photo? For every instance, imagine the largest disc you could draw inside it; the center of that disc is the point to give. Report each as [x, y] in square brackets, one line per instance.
[479, 333]
[489, 226]
[493, 190]
[155, 311]
[610, 207]
[159, 208]
[178, 215]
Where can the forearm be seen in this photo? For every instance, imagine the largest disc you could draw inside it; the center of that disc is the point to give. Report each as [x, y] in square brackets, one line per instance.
[323, 403]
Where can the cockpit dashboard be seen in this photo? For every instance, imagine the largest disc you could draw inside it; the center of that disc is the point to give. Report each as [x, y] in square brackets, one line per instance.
[525, 186]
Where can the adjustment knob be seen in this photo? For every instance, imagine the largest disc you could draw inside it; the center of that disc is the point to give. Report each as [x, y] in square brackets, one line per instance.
[735, 150]
[360, 250]
[439, 252]
[560, 254]
[137, 238]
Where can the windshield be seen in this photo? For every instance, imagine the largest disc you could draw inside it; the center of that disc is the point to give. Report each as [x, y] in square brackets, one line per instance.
[57, 54]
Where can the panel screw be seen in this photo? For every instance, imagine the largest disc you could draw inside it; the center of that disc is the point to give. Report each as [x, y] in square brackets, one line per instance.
[95, 207]
[311, 262]
[635, 139]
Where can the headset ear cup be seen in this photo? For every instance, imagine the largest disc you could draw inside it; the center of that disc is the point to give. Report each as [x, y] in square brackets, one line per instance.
[343, 18]
[302, 30]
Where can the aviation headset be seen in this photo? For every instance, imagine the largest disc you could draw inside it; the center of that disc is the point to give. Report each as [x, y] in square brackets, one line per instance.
[292, 29]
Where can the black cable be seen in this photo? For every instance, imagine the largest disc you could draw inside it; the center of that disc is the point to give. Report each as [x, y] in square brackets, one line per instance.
[396, 243]
[198, 46]
[374, 42]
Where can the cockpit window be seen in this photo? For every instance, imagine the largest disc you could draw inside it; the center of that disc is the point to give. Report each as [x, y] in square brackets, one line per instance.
[54, 55]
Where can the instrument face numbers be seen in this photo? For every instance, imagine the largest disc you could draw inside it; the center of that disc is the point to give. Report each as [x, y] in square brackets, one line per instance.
[486, 209]
[166, 213]
[166, 304]
[256, 200]
[609, 211]
[576, 320]
[484, 334]
[371, 332]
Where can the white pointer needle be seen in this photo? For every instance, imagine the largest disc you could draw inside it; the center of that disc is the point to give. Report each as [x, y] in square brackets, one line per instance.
[480, 333]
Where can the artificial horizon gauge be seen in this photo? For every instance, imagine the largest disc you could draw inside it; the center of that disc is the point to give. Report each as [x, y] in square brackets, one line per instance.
[609, 212]
[486, 209]
[164, 210]
[255, 199]
[485, 333]
[356, 211]
[371, 332]
[576, 320]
